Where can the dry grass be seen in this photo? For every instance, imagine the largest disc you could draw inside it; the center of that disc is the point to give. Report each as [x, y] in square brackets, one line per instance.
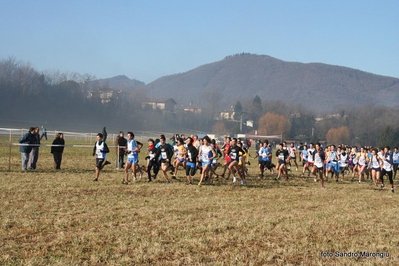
[63, 218]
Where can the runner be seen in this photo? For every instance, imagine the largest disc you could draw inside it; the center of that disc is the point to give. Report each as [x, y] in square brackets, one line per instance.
[318, 159]
[283, 158]
[395, 157]
[205, 154]
[152, 162]
[226, 152]
[343, 159]
[165, 153]
[234, 155]
[310, 161]
[387, 159]
[265, 158]
[215, 164]
[353, 162]
[375, 165]
[180, 152]
[332, 163]
[100, 150]
[292, 151]
[361, 163]
[132, 149]
[191, 163]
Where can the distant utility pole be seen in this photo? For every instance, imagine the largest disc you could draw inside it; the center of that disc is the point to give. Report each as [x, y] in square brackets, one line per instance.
[241, 123]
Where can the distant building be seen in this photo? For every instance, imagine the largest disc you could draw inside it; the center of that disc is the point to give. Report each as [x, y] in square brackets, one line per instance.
[107, 95]
[164, 105]
[225, 115]
[192, 109]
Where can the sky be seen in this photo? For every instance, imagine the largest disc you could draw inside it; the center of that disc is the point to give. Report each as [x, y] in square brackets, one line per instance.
[148, 39]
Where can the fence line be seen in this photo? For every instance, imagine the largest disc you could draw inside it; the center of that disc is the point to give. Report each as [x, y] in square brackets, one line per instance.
[11, 144]
[87, 137]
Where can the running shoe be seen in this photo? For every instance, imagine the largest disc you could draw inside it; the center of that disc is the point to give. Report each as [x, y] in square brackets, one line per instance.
[392, 190]
[95, 179]
[199, 184]
[243, 182]
[234, 179]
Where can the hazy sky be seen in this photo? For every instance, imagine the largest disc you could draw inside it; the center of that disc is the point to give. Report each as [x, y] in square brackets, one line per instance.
[150, 39]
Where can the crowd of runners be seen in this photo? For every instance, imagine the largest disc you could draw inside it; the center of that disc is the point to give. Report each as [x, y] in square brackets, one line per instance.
[185, 156]
[191, 155]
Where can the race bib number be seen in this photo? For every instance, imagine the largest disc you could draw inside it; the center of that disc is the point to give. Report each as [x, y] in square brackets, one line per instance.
[164, 155]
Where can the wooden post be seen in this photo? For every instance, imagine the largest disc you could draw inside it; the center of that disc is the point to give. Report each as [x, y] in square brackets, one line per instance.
[9, 158]
[117, 157]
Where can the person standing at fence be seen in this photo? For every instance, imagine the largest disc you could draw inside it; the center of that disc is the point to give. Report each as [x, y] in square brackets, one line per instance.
[57, 148]
[100, 150]
[25, 149]
[44, 133]
[34, 154]
[120, 144]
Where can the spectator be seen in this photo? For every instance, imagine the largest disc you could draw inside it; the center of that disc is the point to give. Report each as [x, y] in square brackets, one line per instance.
[104, 132]
[120, 144]
[57, 149]
[25, 149]
[44, 133]
[34, 154]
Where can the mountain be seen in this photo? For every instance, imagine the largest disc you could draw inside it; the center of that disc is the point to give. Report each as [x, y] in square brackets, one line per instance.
[120, 82]
[317, 86]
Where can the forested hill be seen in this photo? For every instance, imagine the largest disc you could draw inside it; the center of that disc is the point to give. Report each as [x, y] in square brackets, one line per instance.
[120, 82]
[318, 86]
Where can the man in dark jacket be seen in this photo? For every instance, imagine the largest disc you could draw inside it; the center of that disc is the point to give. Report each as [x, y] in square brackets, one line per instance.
[120, 144]
[57, 148]
[34, 154]
[27, 140]
[104, 132]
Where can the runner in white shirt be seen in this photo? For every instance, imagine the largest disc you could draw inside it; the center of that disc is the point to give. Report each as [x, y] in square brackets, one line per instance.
[100, 150]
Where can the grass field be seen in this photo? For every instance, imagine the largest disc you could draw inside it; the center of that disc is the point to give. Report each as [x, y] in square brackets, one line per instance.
[64, 218]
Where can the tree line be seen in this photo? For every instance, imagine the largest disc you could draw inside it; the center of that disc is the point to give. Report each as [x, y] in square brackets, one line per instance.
[62, 98]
